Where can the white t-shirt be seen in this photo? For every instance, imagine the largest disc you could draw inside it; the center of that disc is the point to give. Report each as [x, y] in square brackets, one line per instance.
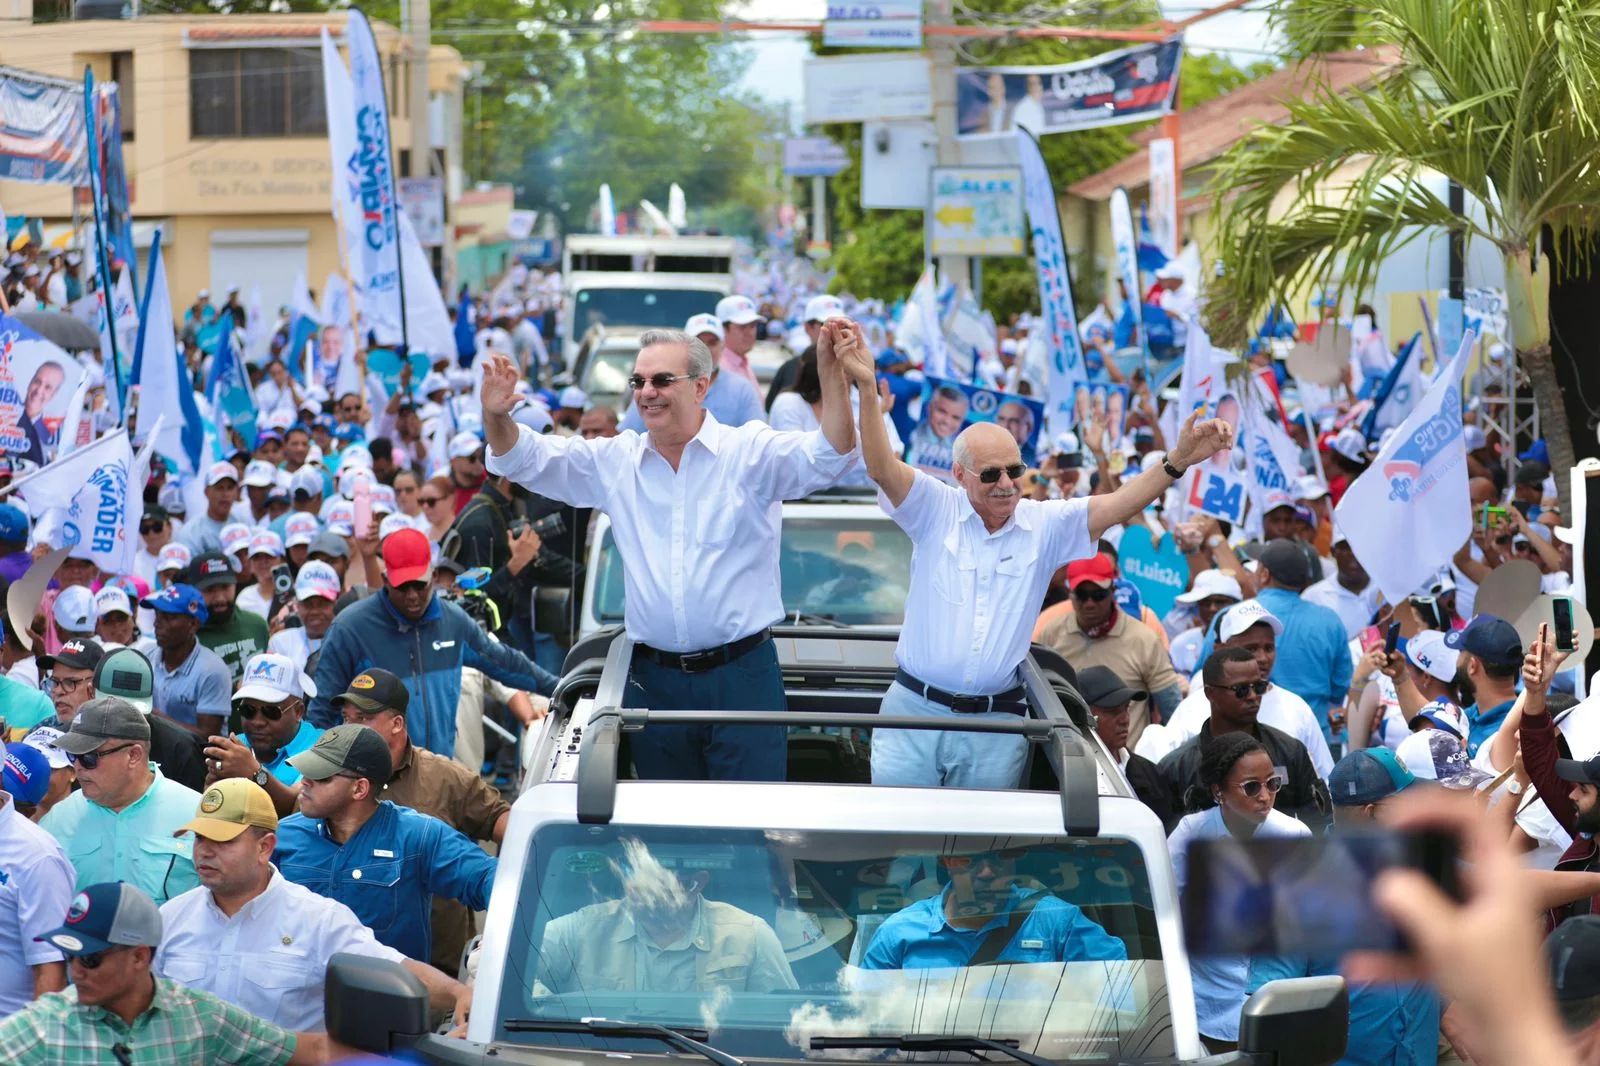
[253, 601]
[294, 643]
[1355, 609]
[1280, 709]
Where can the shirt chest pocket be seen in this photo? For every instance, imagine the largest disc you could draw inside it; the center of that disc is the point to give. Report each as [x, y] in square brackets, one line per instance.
[186, 969]
[1014, 569]
[283, 970]
[372, 890]
[162, 866]
[955, 574]
[716, 518]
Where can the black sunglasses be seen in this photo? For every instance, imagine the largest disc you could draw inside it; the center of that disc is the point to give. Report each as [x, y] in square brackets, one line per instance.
[248, 709]
[1091, 593]
[990, 474]
[660, 381]
[1243, 688]
[1252, 788]
[147, 528]
[90, 759]
[93, 960]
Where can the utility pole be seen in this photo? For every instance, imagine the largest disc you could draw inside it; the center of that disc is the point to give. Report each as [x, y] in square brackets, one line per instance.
[418, 25]
[943, 51]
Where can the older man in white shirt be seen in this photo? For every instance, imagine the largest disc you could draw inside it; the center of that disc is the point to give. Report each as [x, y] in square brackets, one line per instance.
[259, 941]
[695, 508]
[982, 558]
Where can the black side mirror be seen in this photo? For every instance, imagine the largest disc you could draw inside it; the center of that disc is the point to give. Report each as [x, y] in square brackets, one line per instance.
[374, 1005]
[552, 609]
[1303, 1021]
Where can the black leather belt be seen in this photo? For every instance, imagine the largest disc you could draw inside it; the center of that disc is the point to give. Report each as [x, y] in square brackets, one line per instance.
[1011, 701]
[698, 662]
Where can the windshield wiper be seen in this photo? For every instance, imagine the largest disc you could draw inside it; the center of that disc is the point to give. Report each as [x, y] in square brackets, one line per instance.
[931, 1042]
[683, 1038]
[803, 618]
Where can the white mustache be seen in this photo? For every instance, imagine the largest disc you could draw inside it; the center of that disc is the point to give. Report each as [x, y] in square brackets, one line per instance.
[1002, 494]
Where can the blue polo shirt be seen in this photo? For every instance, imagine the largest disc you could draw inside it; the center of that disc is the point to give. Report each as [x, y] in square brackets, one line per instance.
[1484, 724]
[388, 872]
[279, 767]
[919, 937]
[202, 684]
[1390, 1025]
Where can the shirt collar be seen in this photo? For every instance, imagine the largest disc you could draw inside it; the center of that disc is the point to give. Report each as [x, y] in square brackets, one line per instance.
[939, 921]
[709, 436]
[696, 934]
[405, 761]
[1019, 517]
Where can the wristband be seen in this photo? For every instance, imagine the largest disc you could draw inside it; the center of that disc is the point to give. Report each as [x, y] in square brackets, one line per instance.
[1173, 472]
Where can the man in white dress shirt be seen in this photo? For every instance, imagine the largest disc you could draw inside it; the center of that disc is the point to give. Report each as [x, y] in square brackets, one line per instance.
[255, 939]
[982, 558]
[695, 508]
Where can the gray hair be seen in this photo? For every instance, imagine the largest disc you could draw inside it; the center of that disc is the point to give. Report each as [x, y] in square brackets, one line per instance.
[961, 450]
[699, 354]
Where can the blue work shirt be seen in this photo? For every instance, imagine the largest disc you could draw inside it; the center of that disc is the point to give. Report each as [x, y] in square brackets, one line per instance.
[279, 766]
[731, 399]
[1313, 653]
[920, 938]
[1390, 1025]
[1483, 725]
[389, 871]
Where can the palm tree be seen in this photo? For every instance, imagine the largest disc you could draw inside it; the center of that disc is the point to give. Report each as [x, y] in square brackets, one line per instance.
[1502, 97]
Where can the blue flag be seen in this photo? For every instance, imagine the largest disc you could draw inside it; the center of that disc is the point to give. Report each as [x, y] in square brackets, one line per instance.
[165, 389]
[228, 388]
[466, 339]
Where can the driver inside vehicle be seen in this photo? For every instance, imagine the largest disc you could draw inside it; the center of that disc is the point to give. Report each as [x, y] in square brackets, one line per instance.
[663, 935]
[988, 914]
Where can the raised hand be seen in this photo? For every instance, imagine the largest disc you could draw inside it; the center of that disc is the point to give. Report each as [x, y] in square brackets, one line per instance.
[855, 359]
[1198, 441]
[499, 385]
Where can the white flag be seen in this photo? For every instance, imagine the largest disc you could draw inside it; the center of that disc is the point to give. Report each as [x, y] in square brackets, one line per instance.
[76, 429]
[338, 98]
[83, 499]
[163, 391]
[608, 212]
[1274, 459]
[677, 207]
[1411, 511]
[428, 326]
[257, 335]
[368, 173]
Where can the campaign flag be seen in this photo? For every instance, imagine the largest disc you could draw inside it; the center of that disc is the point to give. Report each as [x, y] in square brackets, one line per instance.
[1128, 85]
[428, 326]
[42, 138]
[1055, 287]
[114, 176]
[608, 212]
[76, 429]
[368, 174]
[1217, 486]
[466, 336]
[83, 498]
[970, 338]
[1398, 392]
[337, 336]
[1127, 249]
[97, 196]
[1274, 460]
[122, 321]
[920, 328]
[677, 207]
[257, 334]
[228, 388]
[166, 392]
[304, 318]
[37, 380]
[1410, 511]
[338, 97]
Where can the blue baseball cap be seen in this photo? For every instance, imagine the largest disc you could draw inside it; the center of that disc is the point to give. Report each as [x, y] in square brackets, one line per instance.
[13, 523]
[348, 431]
[25, 773]
[889, 358]
[1367, 776]
[104, 916]
[1494, 640]
[178, 599]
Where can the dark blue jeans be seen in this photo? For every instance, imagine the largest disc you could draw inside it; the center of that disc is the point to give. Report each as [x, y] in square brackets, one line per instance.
[752, 682]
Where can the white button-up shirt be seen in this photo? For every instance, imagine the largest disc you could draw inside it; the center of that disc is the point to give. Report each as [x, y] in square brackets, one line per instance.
[975, 595]
[36, 888]
[699, 544]
[271, 957]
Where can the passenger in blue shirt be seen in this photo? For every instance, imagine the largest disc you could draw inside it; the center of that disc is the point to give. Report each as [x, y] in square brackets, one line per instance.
[1492, 658]
[1313, 652]
[947, 930]
[385, 863]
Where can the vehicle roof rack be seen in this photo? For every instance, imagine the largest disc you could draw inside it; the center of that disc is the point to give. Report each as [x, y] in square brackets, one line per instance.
[1074, 764]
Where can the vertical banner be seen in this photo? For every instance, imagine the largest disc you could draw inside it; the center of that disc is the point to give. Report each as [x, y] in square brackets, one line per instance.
[608, 212]
[114, 176]
[375, 260]
[166, 392]
[97, 194]
[335, 339]
[339, 101]
[1164, 196]
[1127, 249]
[37, 382]
[1055, 288]
[304, 318]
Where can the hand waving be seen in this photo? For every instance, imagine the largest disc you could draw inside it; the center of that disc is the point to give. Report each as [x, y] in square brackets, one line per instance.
[499, 385]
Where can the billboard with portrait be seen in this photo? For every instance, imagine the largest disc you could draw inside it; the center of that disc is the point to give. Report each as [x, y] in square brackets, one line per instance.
[949, 406]
[37, 380]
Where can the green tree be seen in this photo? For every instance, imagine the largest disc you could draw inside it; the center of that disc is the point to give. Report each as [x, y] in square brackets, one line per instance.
[1499, 96]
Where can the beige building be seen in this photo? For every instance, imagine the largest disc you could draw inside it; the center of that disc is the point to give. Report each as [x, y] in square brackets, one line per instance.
[225, 137]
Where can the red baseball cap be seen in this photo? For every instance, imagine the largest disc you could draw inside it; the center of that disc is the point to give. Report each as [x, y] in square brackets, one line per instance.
[1096, 568]
[407, 556]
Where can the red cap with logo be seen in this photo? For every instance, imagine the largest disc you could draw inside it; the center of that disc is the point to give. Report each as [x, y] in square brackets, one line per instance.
[1096, 568]
[407, 556]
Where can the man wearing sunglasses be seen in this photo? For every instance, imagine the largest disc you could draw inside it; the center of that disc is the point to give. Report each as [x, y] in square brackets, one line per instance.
[270, 706]
[1234, 683]
[119, 825]
[730, 398]
[982, 558]
[695, 508]
[117, 1010]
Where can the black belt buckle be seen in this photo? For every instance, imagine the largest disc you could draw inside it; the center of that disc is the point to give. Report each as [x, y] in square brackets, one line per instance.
[698, 662]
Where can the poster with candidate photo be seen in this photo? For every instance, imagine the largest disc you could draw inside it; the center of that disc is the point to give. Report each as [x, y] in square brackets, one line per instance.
[37, 380]
[1128, 85]
[1101, 402]
[950, 406]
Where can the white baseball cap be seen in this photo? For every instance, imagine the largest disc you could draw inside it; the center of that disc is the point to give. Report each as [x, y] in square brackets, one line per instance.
[174, 556]
[273, 678]
[219, 472]
[739, 310]
[44, 738]
[355, 455]
[260, 474]
[1310, 487]
[349, 476]
[1350, 443]
[394, 523]
[110, 600]
[342, 518]
[266, 542]
[704, 323]
[464, 445]
[573, 397]
[534, 415]
[74, 609]
[820, 308]
[383, 500]
[1208, 583]
[300, 528]
[316, 578]
[1170, 269]
[433, 382]
[1428, 652]
[235, 536]
[308, 481]
[1241, 616]
[1473, 438]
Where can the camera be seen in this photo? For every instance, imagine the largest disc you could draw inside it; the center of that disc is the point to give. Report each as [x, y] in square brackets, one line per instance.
[550, 525]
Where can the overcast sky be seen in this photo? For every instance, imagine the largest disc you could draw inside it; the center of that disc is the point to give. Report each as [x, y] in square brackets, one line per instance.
[776, 72]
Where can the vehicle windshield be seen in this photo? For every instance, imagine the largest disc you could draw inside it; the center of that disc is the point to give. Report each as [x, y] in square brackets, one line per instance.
[768, 939]
[665, 308]
[605, 379]
[850, 570]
